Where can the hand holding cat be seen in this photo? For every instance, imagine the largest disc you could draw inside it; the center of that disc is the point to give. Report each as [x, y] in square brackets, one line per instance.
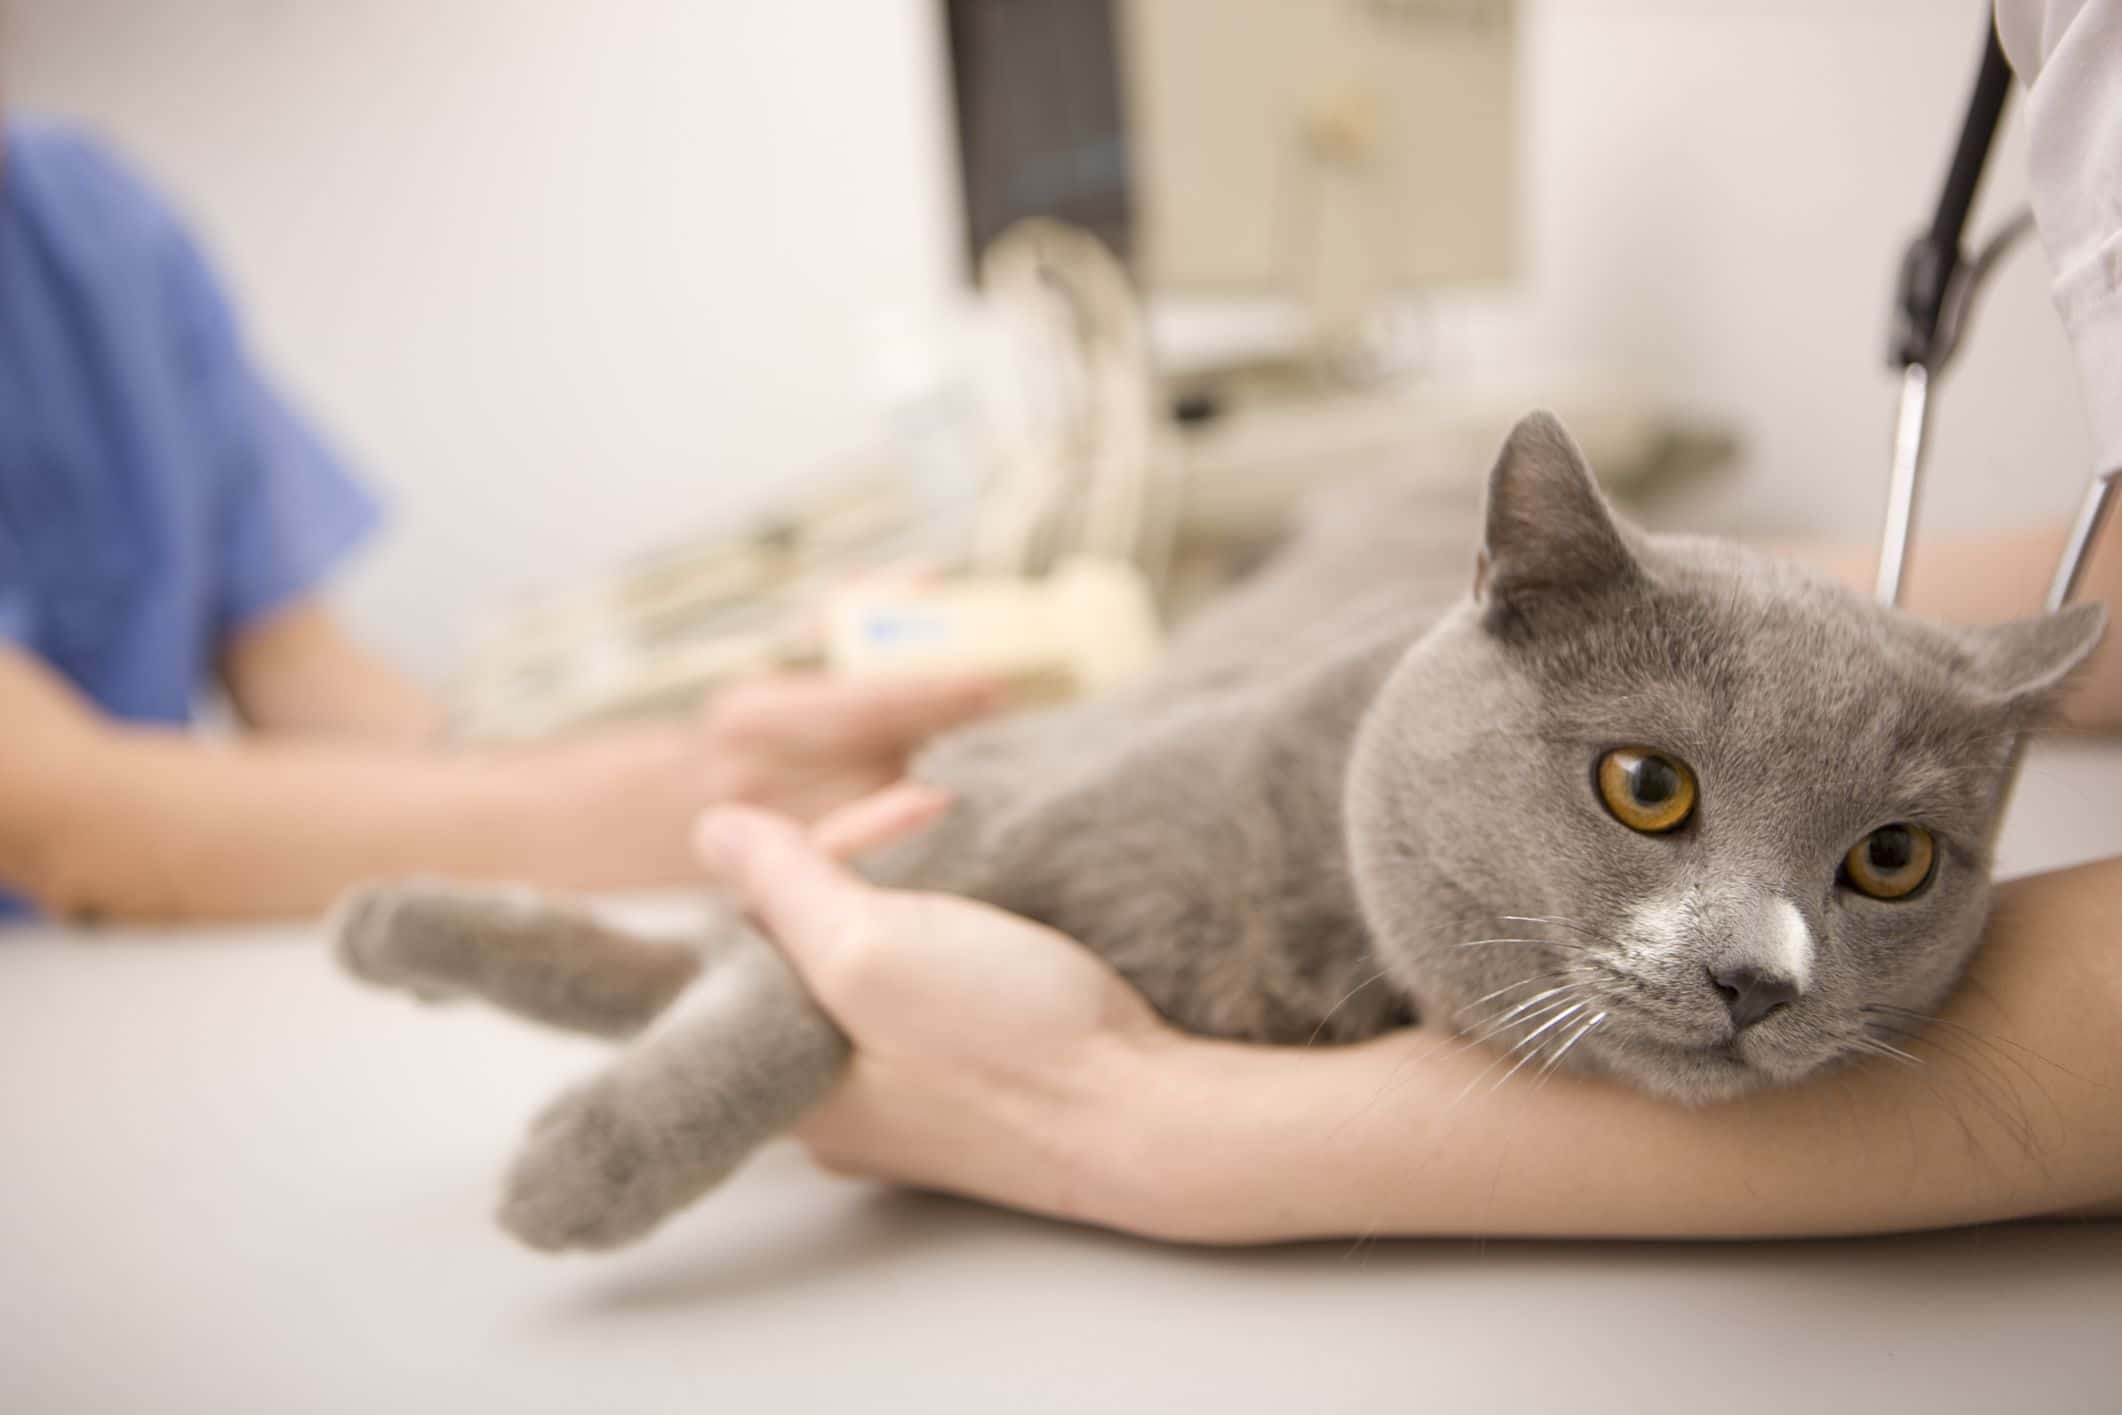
[981, 1041]
[805, 744]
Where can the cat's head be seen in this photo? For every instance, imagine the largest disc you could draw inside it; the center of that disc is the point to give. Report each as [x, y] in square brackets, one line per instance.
[1679, 812]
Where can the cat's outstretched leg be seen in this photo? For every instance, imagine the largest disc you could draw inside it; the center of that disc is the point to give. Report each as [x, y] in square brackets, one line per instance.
[514, 949]
[733, 1064]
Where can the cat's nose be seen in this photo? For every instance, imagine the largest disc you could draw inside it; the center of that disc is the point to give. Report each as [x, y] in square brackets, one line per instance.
[1750, 994]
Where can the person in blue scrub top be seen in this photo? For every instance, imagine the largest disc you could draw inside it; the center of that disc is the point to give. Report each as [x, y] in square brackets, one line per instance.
[168, 519]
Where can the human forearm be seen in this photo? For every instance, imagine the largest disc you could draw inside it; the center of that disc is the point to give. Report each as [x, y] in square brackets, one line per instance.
[100, 818]
[148, 823]
[2015, 1111]
[299, 673]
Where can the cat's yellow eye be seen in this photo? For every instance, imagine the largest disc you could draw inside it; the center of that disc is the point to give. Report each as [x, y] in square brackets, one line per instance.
[1892, 862]
[1646, 790]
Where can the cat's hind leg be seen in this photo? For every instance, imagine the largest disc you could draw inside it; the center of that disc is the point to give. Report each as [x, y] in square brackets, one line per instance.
[737, 1061]
[514, 949]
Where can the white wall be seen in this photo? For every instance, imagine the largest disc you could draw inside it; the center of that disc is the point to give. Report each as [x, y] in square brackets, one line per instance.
[563, 276]
[1718, 199]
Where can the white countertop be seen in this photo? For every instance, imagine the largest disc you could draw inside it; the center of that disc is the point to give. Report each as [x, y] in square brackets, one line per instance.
[231, 1181]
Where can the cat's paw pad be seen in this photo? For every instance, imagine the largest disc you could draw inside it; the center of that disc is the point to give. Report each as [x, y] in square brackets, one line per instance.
[405, 936]
[589, 1175]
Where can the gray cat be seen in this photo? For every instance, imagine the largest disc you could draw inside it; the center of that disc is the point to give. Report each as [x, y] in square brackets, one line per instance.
[1653, 807]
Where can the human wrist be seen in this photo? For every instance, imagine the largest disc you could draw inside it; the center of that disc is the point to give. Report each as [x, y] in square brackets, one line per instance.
[1162, 1138]
[652, 795]
[612, 811]
[1098, 1123]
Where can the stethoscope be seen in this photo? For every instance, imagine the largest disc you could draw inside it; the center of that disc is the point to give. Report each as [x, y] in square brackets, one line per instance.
[1932, 300]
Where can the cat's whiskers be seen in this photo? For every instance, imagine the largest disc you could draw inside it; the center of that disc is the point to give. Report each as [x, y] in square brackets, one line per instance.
[1558, 945]
[1886, 1048]
[1576, 926]
[1574, 997]
[1345, 999]
[1524, 982]
[1978, 1076]
[1529, 1010]
[1535, 1000]
[1570, 994]
[1547, 1068]
[1554, 1015]
[1872, 1046]
[1914, 1021]
[1952, 1099]
[1532, 1040]
[1985, 1076]
[1496, 1027]
[1483, 1075]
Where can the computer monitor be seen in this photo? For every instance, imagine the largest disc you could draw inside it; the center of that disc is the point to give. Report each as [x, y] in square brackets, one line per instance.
[1327, 151]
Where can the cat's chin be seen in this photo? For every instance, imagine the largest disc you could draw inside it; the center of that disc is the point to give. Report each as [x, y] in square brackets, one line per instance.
[1694, 1075]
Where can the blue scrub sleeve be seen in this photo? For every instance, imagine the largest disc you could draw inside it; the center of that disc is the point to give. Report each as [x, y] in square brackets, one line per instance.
[16, 621]
[287, 509]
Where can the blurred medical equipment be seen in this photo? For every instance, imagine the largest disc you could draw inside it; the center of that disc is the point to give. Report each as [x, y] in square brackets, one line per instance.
[1933, 301]
[1024, 461]
[1027, 474]
[1078, 469]
[1381, 136]
[1087, 627]
[1194, 224]
[1274, 174]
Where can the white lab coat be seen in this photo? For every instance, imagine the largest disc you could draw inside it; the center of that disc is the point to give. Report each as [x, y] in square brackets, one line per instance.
[2068, 53]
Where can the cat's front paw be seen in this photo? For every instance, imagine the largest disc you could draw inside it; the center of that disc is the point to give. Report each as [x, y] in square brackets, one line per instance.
[398, 936]
[424, 936]
[591, 1175]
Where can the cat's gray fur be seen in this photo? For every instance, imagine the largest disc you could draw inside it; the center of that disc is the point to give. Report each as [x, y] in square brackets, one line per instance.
[1352, 796]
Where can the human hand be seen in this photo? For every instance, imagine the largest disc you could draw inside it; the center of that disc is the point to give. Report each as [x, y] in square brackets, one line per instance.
[987, 1048]
[803, 745]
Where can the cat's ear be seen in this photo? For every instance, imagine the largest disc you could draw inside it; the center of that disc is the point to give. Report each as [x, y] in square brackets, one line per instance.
[1549, 530]
[2023, 663]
